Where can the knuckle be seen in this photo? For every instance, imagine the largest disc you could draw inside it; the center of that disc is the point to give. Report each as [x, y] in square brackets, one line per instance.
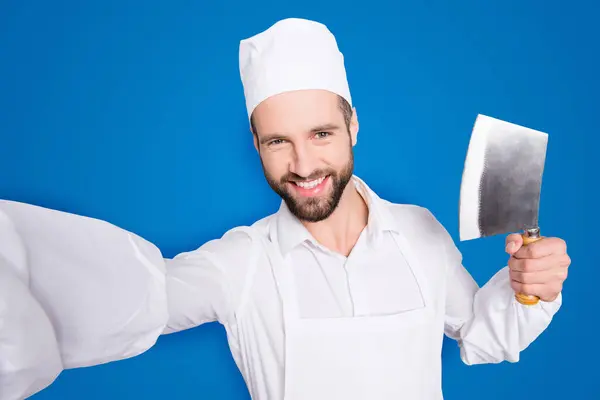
[562, 245]
[562, 274]
[559, 245]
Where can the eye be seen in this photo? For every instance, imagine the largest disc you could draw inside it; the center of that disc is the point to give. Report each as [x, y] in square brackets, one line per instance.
[322, 135]
[275, 142]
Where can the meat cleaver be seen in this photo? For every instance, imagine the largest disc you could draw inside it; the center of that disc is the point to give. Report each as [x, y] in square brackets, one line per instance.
[501, 183]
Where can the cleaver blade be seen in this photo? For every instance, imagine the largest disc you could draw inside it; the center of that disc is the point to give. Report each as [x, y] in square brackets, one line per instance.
[502, 182]
[502, 179]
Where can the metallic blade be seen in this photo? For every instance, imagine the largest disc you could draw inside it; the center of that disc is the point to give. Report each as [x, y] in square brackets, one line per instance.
[502, 179]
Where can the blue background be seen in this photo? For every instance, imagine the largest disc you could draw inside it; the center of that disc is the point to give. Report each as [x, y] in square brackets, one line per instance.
[134, 113]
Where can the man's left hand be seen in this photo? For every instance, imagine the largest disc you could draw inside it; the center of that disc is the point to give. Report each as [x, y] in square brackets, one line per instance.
[538, 269]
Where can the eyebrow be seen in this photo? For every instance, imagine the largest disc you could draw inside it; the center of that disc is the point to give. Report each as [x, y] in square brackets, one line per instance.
[325, 127]
[318, 128]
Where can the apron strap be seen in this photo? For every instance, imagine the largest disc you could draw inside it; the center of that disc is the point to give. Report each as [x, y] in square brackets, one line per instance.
[404, 247]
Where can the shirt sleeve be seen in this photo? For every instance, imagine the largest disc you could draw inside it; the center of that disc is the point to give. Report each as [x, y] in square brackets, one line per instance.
[205, 285]
[488, 323]
[77, 291]
[29, 355]
[109, 293]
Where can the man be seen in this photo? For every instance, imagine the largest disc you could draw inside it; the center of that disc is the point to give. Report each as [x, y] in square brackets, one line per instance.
[340, 294]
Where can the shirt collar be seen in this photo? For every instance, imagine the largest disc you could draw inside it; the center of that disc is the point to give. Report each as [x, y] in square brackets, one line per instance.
[291, 232]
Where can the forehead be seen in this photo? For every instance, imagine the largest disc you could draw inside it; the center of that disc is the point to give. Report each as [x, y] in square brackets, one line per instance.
[297, 111]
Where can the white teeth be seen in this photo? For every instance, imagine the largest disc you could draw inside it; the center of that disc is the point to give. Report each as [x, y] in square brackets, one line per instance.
[310, 184]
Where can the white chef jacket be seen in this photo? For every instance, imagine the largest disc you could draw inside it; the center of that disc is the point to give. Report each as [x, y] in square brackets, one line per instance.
[230, 280]
[109, 294]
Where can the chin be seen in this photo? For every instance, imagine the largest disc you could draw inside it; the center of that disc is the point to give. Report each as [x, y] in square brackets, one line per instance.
[314, 209]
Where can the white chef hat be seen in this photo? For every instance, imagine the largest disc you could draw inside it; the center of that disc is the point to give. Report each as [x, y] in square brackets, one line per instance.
[293, 54]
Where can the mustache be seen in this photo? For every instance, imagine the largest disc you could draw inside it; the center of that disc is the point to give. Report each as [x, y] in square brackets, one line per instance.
[293, 177]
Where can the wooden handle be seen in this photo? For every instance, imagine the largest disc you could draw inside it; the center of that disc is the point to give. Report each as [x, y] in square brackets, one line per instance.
[529, 236]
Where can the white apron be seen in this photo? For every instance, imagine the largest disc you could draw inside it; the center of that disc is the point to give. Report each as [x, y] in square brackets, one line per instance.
[377, 357]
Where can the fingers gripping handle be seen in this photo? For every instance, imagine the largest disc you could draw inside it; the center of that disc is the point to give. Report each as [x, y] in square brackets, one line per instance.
[529, 236]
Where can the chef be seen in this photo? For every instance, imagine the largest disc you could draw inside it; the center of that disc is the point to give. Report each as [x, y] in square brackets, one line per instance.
[340, 294]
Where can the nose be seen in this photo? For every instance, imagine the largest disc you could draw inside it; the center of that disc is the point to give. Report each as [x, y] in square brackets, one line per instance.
[304, 161]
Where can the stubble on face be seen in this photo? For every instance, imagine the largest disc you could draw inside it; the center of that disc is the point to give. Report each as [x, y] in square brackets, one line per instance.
[318, 208]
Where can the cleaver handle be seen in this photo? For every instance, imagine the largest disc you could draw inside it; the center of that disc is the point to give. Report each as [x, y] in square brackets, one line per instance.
[529, 236]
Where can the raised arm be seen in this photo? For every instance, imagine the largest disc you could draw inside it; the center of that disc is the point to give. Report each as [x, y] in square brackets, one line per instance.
[488, 323]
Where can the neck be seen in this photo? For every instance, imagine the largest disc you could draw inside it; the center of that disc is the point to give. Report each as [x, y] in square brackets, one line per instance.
[341, 230]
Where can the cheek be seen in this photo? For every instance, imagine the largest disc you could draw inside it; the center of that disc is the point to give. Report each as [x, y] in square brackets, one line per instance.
[276, 165]
[337, 156]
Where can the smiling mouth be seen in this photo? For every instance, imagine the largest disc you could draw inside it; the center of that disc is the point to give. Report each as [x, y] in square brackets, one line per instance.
[311, 184]
[310, 188]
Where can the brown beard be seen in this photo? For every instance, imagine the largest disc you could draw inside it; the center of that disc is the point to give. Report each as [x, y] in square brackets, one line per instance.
[318, 208]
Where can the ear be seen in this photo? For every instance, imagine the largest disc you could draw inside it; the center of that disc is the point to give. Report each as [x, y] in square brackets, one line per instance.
[354, 127]
[255, 138]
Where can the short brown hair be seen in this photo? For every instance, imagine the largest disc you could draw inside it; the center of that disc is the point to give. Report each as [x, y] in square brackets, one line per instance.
[346, 109]
[343, 104]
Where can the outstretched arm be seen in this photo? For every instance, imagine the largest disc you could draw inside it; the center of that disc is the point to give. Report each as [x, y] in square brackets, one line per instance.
[106, 293]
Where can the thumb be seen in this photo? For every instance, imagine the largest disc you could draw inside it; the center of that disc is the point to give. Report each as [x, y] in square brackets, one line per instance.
[514, 241]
